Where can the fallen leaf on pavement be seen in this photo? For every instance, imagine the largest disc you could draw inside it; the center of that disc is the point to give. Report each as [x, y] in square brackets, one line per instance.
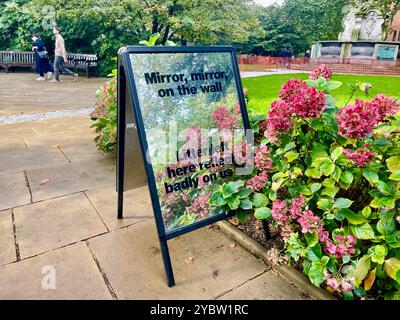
[44, 181]
[189, 260]
[235, 222]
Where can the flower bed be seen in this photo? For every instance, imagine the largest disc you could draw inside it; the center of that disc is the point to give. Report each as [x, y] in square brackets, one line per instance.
[329, 180]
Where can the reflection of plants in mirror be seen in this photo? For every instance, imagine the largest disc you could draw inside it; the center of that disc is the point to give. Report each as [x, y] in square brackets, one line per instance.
[105, 113]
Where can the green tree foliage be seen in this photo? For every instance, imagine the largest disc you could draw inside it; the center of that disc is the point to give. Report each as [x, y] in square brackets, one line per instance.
[296, 24]
[103, 26]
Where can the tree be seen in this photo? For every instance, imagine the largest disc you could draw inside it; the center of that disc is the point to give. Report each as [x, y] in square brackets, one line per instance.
[103, 26]
[296, 24]
[389, 8]
[200, 21]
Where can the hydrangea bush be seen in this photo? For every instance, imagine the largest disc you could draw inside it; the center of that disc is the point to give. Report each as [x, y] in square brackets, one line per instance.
[105, 116]
[329, 179]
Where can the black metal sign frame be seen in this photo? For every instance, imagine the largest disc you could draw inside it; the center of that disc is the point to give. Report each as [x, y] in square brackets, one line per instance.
[129, 107]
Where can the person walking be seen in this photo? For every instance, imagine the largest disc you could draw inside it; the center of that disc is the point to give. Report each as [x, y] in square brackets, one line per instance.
[42, 64]
[60, 57]
[290, 57]
[284, 54]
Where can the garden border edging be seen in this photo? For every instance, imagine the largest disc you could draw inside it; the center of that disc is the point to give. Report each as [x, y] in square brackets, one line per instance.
[289, 273]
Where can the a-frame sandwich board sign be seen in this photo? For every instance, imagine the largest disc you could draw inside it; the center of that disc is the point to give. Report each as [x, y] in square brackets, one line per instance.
[181, 122]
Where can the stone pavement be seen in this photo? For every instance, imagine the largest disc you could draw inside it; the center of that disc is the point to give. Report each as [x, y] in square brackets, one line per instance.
[253, 74]
[21, 94]
[60, 239]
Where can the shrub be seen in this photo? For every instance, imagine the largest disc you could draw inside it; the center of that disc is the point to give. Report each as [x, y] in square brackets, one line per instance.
[333, 188]
[105, 116]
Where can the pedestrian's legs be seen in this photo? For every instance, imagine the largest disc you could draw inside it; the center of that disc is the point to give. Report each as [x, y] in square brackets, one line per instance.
[64, 69]
[57, 68]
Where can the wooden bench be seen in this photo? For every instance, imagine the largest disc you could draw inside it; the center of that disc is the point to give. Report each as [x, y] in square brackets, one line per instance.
[76, 61]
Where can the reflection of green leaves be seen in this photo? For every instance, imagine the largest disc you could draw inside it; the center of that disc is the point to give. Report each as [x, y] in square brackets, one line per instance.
[186, 219]
[217, 199]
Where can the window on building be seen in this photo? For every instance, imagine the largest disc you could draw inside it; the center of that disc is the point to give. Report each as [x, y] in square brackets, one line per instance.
[394, 35]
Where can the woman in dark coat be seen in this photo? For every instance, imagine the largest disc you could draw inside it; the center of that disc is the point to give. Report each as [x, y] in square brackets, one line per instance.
[42, 65]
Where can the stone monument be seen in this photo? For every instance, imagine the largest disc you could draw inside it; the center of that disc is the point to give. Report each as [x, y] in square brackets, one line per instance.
[372, 26]
[362, 39]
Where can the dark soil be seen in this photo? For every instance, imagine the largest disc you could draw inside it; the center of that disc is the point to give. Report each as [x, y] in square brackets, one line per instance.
[254, 229]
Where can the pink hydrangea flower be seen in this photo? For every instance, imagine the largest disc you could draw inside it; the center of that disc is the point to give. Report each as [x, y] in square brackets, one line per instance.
[360, 157]
[262, 159]
[296, 208]
[278, 120]
[323, 235]
[292, 89]
[357, 121]
[285, 230]
[304, 101]
[279, 212]
[224, 119]
[309, 103]
[386, 106]
[309, 222]
[322, 71]
[333, 283]
[257, 183]
[346, 286]
[273, 256]
[343, 246]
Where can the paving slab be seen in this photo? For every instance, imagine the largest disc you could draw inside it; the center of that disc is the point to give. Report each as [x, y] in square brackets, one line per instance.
[13, 191]
[55, 223]
[23, 160]
[268, 286]
[11, 144]
[7, 245]
[70, 178]
[22, 94]
[85, 151]
[137, 206]
[132, 262]
[76, 277]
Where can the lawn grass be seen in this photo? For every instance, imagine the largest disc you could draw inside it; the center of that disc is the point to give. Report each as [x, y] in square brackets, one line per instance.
[265, 89]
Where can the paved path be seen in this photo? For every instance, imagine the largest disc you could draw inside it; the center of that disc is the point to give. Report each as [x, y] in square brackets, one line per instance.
[252, 74]
[21, 94]
[60, 239]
